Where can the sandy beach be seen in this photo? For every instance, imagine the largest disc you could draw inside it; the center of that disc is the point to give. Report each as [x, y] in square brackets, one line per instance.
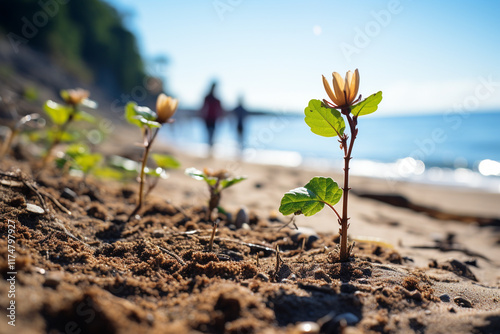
[426, 258]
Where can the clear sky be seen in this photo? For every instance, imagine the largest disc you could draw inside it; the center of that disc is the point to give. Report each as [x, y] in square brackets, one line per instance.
[425, 56]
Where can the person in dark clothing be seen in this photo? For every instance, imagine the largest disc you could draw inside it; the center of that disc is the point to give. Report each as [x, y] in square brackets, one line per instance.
[210, 112]
[240, 113]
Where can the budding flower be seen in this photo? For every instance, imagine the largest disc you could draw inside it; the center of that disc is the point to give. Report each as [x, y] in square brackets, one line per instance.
[165, 108]
[75, 96]
[345, 91]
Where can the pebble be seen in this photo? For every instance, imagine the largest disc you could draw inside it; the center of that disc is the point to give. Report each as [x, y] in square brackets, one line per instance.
[34, 209]
[158, 233]
[262, 277]
[460, 301]
[349, 318]
[427, 312]
[445, 298]
[306, 327]
[53, 279]
[241, 217]
[305, 232]
[69, 194]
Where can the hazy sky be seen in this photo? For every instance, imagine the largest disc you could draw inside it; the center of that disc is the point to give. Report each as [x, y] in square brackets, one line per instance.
[425, 56]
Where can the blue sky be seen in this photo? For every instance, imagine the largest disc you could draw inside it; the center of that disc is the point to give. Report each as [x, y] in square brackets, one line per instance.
[425, 56]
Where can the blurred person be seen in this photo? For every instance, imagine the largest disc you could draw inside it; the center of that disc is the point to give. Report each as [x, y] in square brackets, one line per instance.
[240, 113]
[211, 112]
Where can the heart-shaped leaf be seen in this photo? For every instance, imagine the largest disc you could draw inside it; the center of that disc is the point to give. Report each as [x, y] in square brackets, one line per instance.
[323, 121]
[311, 198]
[58, 113]
[166, 161]
[367, 106]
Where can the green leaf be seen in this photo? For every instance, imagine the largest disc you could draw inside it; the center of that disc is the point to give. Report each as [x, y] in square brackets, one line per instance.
[75, 150]
[146, 122]
[323, 121]
[84, 116]
[195, 173]
[87, 161]
[166, 161]
[146, 113]
[229, 182]
[58, 113]
[130, 114]
[108, 173]
[199, 175]
[156, 172]
[311, 198]
[368, 105]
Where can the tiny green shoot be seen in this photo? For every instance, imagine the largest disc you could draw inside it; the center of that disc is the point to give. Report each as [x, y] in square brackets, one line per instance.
[329, 119]
[217, 181]
[62, 115]
[149, 122]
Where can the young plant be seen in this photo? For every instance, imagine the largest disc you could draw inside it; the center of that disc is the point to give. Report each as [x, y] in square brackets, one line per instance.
[326, 118]
[62, 115]
[150, 122]
[79, 157]
[216, 181]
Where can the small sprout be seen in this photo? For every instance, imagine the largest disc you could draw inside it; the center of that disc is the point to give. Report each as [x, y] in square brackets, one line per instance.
[217, 181]
[63, 114]
[79, 157]
[150, 122]
[328, 119]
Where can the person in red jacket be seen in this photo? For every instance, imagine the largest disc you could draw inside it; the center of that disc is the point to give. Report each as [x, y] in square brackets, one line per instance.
[210, 112]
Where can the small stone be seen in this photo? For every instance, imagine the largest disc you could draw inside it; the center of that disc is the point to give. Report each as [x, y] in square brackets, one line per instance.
[427, 312]
[462, 302]
[34, 209]
[69, 194]
[241, 217]
[53, 279]
[306, 327]
[349, 319]
[445, 298]
[158, 233]
[415, 294]
[309, 234]
[262, 277]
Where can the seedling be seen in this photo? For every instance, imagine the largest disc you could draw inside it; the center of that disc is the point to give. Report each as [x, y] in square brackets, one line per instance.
[216, 181]
[326, 118]
[62, 115]
[79, 157]
[150, 122]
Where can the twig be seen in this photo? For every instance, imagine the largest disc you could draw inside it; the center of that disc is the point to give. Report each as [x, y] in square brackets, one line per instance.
[292, 221]
[172, 254]
[56, 202]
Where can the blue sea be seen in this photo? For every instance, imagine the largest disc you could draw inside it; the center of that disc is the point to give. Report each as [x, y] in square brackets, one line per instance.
[452, 148]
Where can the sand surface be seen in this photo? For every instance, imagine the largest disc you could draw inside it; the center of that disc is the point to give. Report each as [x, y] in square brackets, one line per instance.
[426, 258]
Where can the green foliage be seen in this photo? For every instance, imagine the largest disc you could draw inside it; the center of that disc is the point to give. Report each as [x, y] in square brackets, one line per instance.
[58, 113]
[79, 156]
[212, 180]
[311, 198]
[140, 116]
[165, 161]
[324, 121]
[368, 105]
[87, 37]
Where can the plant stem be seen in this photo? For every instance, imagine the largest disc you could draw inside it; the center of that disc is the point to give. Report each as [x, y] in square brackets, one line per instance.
[148, 143]
[8, 143]
[58, 139]
[344, 255]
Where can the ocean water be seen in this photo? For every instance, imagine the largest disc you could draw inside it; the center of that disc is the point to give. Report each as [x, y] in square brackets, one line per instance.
[456, 149]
